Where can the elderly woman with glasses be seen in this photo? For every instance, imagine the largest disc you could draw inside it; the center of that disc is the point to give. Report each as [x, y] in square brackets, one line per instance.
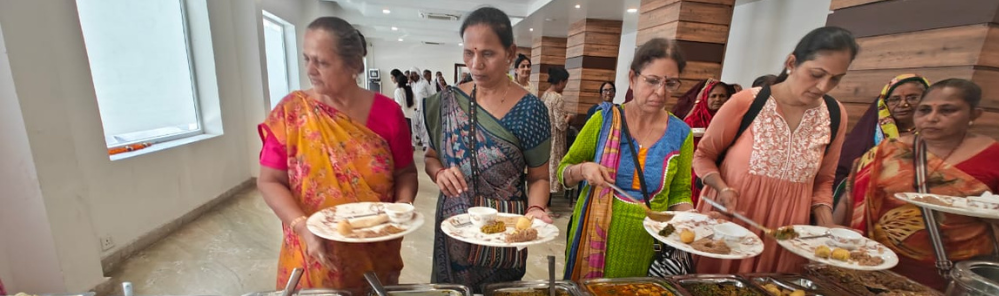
[639, 147]
[607, 92]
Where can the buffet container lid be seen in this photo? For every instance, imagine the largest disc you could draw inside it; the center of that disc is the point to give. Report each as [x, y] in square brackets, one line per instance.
[810, 285]
[978, 276]
[566, 286]
[815, 268]
[422, 289]
[735, 280]
[304, 292]
[634, 280]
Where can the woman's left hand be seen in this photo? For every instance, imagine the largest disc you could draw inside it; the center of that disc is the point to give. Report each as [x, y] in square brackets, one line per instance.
[539, 213]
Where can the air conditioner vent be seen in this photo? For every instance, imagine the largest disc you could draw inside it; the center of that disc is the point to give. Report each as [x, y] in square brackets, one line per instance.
[432, 43]
[439, 16]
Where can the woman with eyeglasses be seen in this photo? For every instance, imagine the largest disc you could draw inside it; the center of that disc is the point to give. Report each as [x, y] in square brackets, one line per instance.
[780, 170]
[607, 92]
[640, 148]
[889, 117]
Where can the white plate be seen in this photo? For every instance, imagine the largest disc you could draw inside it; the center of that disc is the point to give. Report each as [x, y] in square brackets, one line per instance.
[702, 225]
[323, 223]
[806, 248]
[459, 228]
[959, 205]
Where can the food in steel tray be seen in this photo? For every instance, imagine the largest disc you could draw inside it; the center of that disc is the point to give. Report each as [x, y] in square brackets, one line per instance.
[860, 256]
[871, 283]
[524, 235]
[711, 246]
[669, 229]
[630, 289]
[777, 291]
[532, 292]
[494, 227]
[711, 289]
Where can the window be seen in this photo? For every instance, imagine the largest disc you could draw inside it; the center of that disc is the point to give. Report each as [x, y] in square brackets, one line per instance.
[141, 63]
[280, 51]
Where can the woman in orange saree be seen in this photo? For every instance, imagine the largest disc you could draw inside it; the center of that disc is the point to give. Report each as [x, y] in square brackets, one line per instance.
[959, 163]
[332, 145]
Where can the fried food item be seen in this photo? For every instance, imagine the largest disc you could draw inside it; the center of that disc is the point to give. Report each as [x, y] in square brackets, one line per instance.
[524, 223]
[773, 290]
[368, 233]
[365, 222]
[494, 227]
[840, 254]
[687, 236]
[669, 229]
[797, 293]
[864, 259]
[711, 246]
[344, 227]
[823, 252]
[519, 236]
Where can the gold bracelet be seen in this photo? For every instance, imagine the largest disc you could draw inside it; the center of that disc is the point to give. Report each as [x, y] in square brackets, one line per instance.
[295, 222]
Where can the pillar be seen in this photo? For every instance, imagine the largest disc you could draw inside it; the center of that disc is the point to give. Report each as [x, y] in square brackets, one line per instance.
[591, 58]
[936, 45]
[525, 51]
[700, 27]
[546, 52]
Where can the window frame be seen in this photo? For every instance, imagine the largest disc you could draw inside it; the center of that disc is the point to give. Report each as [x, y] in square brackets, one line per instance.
[291, 56]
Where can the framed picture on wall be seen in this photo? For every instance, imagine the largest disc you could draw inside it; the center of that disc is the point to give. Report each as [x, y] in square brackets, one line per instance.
[459, 72]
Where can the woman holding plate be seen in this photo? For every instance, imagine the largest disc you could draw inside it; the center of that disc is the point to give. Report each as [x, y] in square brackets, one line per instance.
[487, 137]
[331, 145]
[959, 163]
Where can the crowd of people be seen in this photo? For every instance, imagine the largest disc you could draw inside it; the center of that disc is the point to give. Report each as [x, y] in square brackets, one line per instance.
[774, 152]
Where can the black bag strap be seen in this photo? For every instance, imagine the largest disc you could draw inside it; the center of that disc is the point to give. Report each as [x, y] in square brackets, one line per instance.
[761, 100]
[473, 140]
[634, 154]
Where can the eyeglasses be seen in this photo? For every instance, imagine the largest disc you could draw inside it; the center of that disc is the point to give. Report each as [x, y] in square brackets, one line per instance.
[672, 84]
[608, 91]
[910, 99]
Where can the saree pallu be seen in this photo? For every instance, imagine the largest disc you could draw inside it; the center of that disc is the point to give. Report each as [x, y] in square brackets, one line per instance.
[505, 148]
[332, 160]
[888, 169]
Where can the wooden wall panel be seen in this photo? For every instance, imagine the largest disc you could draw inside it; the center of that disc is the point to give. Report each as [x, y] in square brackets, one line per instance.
[648, 5]
[664, 31]
[988, 124]
[958, 46]
[840, 4]
[525, 51]
[988, 79]
[712, 33]
[706, 13]
[864, 86]
[592, 74]
[595, 26]
[659, 16]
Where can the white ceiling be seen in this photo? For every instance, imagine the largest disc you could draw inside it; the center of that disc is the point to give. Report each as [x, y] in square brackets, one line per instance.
[546, 17]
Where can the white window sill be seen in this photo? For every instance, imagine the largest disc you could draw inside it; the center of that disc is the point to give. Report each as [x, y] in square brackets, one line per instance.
[163, 146]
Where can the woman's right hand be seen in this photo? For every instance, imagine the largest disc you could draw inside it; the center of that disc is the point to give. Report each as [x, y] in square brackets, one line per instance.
[596, 174]
[729, 198]
[451, 181]
[315, 247]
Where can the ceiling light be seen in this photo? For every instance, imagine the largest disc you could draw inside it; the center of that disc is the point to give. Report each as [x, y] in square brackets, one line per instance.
[577, 6]
[400, 39]
[461, 44]
[395, 29]
[531, 29]
[632, 10]
[386, 11]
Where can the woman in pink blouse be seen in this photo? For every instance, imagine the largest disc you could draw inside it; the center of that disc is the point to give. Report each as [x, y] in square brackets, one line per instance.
[780, 170]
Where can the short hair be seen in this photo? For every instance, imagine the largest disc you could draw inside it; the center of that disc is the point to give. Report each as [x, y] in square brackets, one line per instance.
[658, 48]
[349, 42]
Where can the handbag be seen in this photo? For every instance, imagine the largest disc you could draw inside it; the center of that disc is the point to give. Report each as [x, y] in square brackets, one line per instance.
[667, 260]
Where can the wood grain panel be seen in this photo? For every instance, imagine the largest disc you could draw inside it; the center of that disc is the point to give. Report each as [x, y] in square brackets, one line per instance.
[988, 80]
[525, 51]
[648, 5]
[595, 25]
[865, 85]
[840, 4]
[701, 71]
[592, 74]
[706, 13]
[988, 124]
[573, 51]
[665, 31]
[711, 33]
[959, 46]
[990, 50]
[894, 17]
[854, 111]
[660, 16]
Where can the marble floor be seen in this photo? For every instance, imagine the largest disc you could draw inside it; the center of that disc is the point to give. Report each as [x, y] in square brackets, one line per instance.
[233, 249]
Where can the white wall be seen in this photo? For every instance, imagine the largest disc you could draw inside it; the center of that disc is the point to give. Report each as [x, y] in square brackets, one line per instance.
[76, 194]
[764, 32]
[388, 55]
[626, 53]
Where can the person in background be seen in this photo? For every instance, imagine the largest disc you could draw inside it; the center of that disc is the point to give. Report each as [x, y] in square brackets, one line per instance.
[958, 163]
[422, 90]
[522, 73]
[404, 97]
[440, 82]
[607, 92]
[330, 145]
[395, 73]
[559, 117]
[642, 149]
[428, 77]
[511, 144]
[765, 80]
[736, 88]
[709, 99]
[466, 78]
[2, 291]
[780, 170]
[889, 117]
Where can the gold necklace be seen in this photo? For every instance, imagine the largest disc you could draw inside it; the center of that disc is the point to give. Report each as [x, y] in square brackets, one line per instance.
[644, 137]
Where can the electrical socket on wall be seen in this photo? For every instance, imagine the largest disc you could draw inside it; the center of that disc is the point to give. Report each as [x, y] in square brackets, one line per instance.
[106, 243]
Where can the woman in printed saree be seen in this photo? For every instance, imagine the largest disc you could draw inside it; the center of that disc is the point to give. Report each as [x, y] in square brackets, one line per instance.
[606, 236]
[484, 135]
[959, 163]
[779, 171]
[559, 117]
[889, 117]
[331, 145]
[708, 100]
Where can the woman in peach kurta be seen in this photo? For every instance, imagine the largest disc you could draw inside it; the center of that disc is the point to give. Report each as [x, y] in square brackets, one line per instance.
[778, 173]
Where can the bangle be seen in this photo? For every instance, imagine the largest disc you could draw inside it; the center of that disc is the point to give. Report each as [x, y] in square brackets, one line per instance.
[295, 222]
[438, 173]
[728, 189]
[532, 207]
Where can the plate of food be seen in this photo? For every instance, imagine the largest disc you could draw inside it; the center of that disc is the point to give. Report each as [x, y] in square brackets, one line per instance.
[698, 234]
[840, 247]
[487, 227]
[984, 206]
[365, 222]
